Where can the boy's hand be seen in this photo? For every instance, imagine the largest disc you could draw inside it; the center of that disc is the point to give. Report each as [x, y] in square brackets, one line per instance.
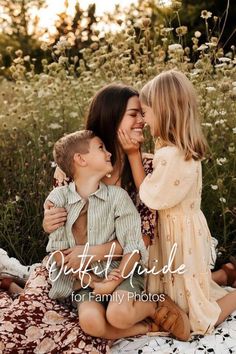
[104, 288]
[129, 145]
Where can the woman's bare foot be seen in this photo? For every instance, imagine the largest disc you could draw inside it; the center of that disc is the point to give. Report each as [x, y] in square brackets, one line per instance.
[10, 287]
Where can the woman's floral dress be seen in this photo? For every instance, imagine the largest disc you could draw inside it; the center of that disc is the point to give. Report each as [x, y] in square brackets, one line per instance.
[34, 323]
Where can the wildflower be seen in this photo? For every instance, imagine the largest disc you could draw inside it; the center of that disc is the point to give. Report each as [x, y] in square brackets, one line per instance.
[187, 50]
[234, 130]
[19, 53]
[197, 34]
[44, 47]
[94, 46]
[17, 61]
[9, 49]
[210, 89]
[233, 95]
[220, 161]
[54, 126]
[206, 14]
[207, 124]
[231, 147]
[181, 31]
[53, 164]
[224, 60]
[225, 86]
[146, 22]
[17, 198]
[222, 200]
[213, 42]
[220, 65]
[73, 114]
[27, 58]
[63, 60]
[202, 47]
[176, 5]
[214, 187]
[174, 47]
[62, 45]
[221, 121]
[166, 30]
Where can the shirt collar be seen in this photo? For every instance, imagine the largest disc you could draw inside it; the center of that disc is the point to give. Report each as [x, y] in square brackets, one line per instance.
[74, 197]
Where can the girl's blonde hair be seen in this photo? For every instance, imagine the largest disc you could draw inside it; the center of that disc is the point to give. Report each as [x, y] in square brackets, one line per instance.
[174, 103]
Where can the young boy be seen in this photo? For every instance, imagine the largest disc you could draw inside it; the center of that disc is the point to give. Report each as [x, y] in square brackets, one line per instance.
[98, 214]
[104, 212]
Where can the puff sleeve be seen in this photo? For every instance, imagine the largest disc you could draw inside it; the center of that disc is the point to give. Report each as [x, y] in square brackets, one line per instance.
[171, 180]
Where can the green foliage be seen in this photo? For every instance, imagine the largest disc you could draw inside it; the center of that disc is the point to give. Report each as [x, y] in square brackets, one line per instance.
[36, 109]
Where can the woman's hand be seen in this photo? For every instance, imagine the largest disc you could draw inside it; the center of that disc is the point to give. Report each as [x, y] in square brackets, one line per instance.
[92, 254]
[129, 145]
[53, 217]
[71, 260]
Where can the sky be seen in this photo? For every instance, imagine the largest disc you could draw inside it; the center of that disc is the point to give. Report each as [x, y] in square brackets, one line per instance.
[48, 15]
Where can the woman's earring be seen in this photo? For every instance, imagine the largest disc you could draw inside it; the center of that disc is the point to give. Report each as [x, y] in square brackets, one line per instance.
[108, 175]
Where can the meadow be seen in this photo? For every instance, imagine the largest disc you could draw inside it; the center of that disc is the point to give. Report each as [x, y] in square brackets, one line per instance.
[38, 108]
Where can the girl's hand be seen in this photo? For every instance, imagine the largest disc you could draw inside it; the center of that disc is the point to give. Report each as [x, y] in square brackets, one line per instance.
[53, 217]
[129, 145]
[113, 275]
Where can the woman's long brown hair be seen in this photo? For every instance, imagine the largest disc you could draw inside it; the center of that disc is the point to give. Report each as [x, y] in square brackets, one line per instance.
[105, 114]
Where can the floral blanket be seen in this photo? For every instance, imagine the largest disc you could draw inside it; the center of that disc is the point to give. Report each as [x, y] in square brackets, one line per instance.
[33, 323]
[222, 341]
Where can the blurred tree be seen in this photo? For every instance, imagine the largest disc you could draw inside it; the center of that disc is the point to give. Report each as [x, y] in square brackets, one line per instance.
[19, 28]
[78, 29]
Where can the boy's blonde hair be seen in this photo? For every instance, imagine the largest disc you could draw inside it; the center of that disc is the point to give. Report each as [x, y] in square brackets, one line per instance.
[174, 102]
[70, 144]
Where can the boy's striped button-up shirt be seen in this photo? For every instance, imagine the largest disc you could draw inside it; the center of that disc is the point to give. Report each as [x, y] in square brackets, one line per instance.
[111, 215]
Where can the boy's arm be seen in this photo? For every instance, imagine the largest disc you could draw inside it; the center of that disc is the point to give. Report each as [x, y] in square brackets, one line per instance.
[128, 226]
[57, 239]
[125, 268]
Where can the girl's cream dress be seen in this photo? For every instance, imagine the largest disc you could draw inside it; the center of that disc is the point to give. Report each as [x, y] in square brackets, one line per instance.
[174, 189]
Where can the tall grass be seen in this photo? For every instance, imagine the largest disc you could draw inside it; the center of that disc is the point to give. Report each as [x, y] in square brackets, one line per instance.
[36, 109]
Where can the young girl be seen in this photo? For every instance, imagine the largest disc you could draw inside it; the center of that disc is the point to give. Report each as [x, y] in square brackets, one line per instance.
[174, 189]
